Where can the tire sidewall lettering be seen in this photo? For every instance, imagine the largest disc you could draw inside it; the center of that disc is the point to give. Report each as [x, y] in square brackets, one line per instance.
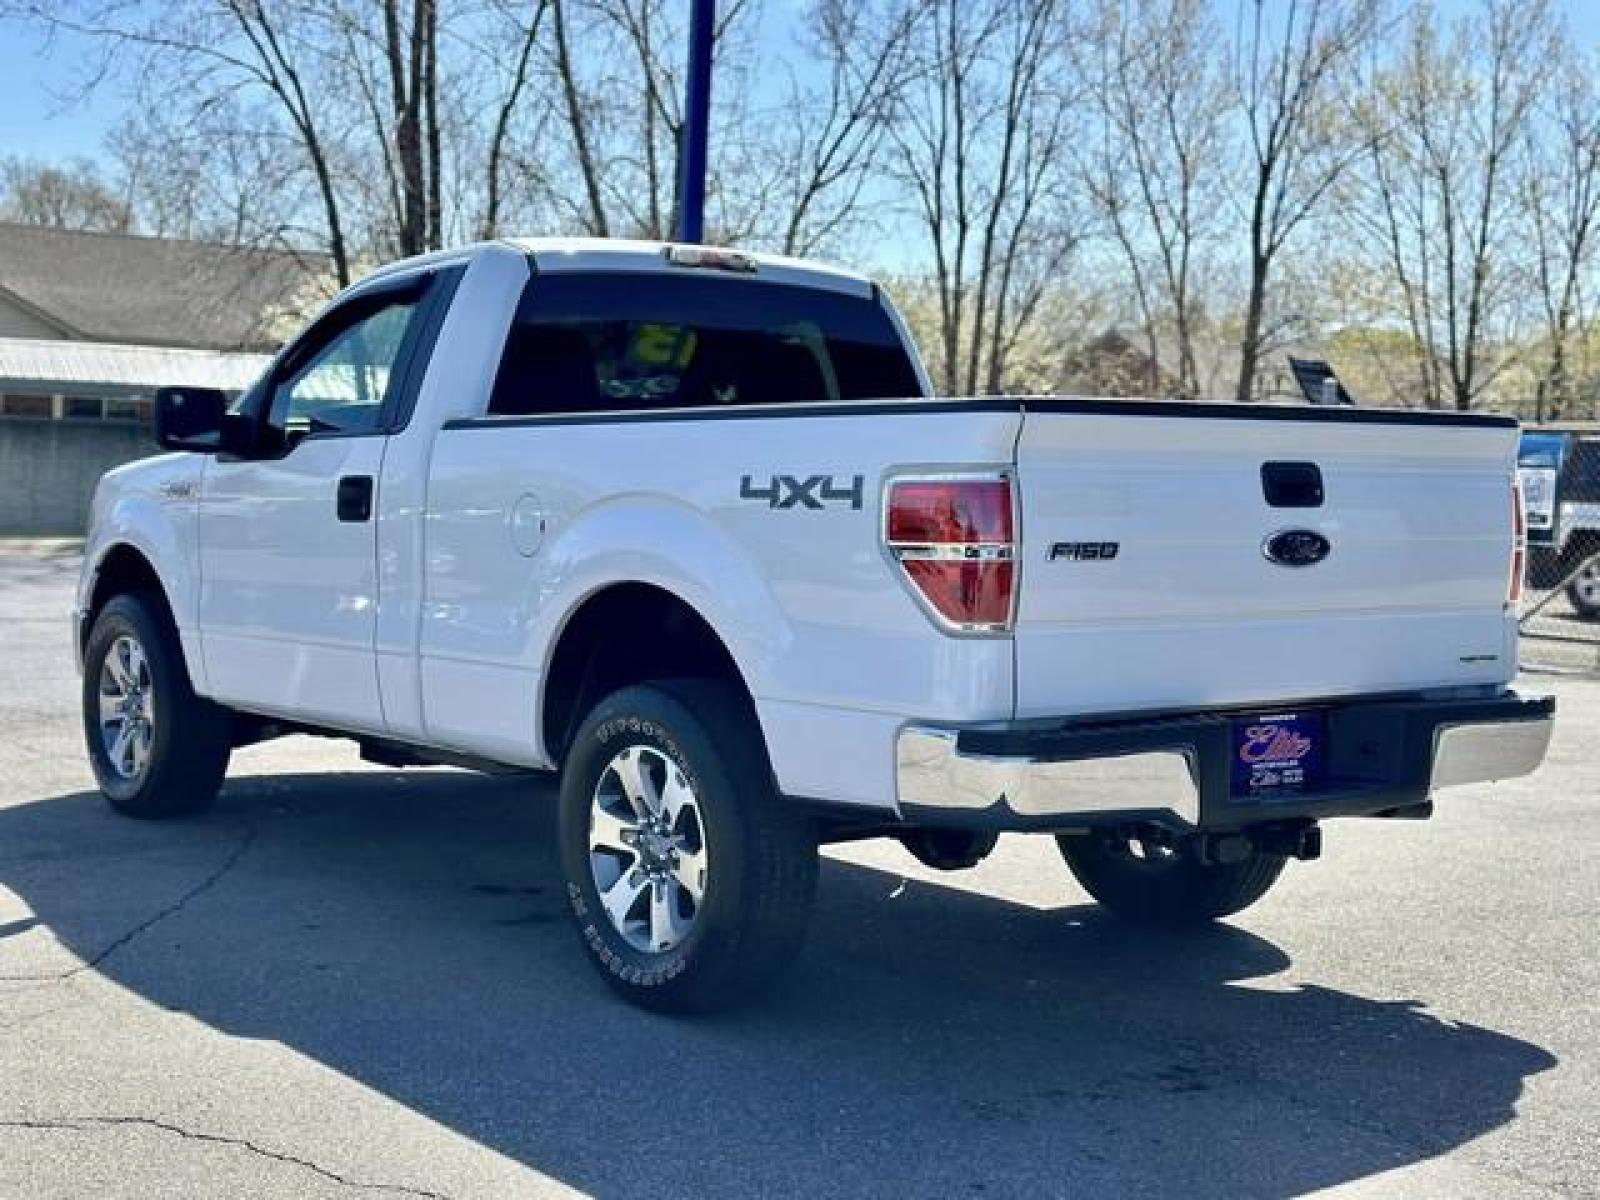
[652, 733]
[675, 963]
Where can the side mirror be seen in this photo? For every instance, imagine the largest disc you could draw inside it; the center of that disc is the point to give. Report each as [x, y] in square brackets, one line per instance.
[197, 420]
[190, 418]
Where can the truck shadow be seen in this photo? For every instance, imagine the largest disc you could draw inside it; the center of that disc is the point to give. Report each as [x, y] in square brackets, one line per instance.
[407, 931]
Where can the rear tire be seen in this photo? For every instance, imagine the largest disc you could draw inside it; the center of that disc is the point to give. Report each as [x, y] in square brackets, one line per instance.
[690, 879]
[157, 749]
[1152, 885]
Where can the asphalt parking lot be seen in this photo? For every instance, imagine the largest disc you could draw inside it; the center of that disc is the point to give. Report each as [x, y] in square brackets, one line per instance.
[347, 980]
[1556, 638]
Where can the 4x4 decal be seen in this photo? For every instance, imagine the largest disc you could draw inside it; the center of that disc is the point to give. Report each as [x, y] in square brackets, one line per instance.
[814, 491]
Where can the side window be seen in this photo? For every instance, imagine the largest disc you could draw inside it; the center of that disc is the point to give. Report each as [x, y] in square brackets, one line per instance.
[341, 388]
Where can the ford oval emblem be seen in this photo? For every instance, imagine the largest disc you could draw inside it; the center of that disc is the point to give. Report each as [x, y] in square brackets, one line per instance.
[1296, 547]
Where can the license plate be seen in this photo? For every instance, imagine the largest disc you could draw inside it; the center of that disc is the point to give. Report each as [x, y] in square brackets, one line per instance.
[1277, 754]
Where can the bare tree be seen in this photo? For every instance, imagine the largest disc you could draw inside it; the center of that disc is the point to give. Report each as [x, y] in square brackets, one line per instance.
[831, 131]
[1561, 187]
[656, 112]
[632, 172]
[978, 152]
[73, 195]
[980, 135]
[200, 52]
[506, 110]
[1455, 110]
[619, 68]
[387, 53]
[1293, 61]
[406, 54]
[1152, 70]
[578, 120]
[225, 174]
[398, 138]
[1397, 217]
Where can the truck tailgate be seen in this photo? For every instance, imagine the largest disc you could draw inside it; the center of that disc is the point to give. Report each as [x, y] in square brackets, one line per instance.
[1146, 581]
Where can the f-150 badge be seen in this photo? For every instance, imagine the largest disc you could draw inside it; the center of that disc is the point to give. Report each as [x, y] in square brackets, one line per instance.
[790, 491]
[1085, 551]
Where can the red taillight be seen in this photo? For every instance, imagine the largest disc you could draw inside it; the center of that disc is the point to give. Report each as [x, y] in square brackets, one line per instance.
[950, 512]
[955, 539]
[1519, 546]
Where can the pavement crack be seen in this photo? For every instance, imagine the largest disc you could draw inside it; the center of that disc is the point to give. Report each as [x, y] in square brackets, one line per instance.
[177, 906]
[7, 1028]
[87, 1124]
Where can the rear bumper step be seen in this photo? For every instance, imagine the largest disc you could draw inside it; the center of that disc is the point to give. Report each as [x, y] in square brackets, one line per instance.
[1384, 757]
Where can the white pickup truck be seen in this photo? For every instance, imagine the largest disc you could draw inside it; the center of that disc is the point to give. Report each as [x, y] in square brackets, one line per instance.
[685, 526]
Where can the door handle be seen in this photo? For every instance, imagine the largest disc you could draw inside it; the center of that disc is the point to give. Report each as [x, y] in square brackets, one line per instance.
[355, 498]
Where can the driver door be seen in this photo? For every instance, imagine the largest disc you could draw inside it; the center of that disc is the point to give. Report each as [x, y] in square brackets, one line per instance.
[288, 572]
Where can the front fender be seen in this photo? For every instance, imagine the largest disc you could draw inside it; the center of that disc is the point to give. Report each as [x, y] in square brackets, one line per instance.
[151, 508]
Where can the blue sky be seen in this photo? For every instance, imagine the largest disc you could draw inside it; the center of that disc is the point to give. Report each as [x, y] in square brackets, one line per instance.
[35, 121]
[39, 118]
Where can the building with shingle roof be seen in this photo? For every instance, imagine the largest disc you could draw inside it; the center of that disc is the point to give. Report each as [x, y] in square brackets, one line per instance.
[92, 323]
[143, 291]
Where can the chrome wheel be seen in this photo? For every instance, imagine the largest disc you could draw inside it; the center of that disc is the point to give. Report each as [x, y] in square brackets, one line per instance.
[647, 849]
[1586, 586]
[127, 707]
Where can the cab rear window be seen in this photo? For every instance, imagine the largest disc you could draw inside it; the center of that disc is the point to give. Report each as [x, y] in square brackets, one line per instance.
[609, 341]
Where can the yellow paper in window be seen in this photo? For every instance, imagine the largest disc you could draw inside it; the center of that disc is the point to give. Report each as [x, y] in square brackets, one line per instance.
[657, 345]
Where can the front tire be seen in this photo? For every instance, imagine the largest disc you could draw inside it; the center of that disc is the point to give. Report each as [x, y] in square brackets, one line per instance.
[1155, 884]
[1584, 590]
[157, 749]
[690, 879]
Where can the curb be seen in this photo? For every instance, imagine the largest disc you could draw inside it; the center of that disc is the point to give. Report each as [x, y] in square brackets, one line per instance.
[40, 547]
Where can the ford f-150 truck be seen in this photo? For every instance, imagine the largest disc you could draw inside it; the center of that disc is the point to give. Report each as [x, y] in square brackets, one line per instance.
[686, 526]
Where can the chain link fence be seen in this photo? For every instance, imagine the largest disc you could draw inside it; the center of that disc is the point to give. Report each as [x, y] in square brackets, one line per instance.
[1560, 619]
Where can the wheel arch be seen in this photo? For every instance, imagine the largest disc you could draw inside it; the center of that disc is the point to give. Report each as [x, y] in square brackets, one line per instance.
[624, 633]
[124, 569]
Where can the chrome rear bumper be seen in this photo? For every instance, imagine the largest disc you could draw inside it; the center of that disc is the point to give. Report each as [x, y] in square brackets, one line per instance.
[1386, 758]
[934, 773]
[1488, 751]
